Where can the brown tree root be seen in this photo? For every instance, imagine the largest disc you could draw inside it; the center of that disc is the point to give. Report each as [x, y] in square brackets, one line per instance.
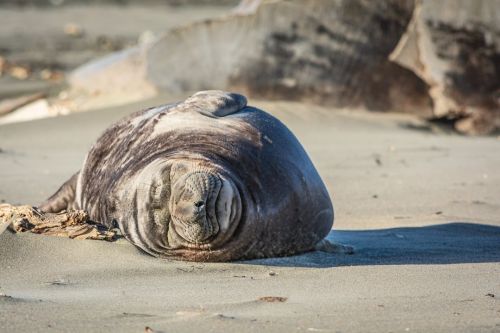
[72, 224]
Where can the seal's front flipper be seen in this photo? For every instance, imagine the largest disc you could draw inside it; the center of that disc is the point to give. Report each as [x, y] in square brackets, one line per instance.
[63, 199]
[215, 103]
[325, 245]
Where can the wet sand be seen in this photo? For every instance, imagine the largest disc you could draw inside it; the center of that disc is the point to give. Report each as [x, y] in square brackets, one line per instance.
[422, 210]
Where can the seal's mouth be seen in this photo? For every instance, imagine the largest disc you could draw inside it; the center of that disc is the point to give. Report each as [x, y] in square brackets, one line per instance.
[194, 206]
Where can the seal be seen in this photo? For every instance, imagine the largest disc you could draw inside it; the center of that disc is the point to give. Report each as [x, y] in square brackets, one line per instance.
[206, 179]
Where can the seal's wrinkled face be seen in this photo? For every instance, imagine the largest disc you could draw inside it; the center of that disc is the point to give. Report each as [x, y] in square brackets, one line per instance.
[180, 204]
[204, 205]
[194, 206]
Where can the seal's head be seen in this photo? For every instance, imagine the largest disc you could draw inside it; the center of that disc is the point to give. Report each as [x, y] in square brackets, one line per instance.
[180, 204]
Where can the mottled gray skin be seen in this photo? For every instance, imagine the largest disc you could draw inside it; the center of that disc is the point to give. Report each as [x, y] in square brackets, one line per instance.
[207, 179]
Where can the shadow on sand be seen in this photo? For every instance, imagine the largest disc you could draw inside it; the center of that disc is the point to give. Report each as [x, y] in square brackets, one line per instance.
[452, 243]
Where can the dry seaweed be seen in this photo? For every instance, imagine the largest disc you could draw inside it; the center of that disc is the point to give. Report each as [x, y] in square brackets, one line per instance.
[71, 224]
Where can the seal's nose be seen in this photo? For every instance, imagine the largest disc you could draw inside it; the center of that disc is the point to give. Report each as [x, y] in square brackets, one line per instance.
[194, 204]
[199, 206]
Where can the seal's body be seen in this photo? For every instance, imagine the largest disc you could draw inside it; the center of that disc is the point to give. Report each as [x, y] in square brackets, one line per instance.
[207, 179]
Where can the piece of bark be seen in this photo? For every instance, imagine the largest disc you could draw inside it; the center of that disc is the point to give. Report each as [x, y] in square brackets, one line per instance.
[73, 224]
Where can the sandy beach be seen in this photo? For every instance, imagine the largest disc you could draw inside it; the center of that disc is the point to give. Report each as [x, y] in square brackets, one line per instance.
[61, 38]
[420, 206]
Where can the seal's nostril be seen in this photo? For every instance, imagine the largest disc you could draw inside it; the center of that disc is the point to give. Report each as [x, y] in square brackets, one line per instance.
[199, 204]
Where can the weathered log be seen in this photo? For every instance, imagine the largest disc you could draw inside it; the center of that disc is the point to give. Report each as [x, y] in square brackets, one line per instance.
[326, 51]
[454, 46]
[342, 53]
[329, 52]
[11, 104]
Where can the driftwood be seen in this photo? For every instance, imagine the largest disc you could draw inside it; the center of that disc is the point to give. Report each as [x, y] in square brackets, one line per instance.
[12, 104]
[324, 51]
[454, 47]
[436, 59]
[72, 224]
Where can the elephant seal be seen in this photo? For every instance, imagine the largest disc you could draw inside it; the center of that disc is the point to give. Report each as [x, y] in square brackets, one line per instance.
[206, 179]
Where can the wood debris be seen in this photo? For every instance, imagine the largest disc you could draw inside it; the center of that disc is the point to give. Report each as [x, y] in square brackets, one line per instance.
[3, 65]
[51, 75]
[73, 30]
[73, 224]
[11, 104]
[19, 72]
[273, 299]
